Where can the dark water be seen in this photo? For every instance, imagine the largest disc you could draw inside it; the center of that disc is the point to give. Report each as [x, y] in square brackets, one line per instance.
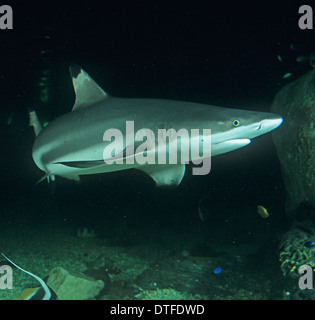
[216, 54]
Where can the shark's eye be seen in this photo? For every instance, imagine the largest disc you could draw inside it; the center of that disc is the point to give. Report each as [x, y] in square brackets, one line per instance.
[236, 123]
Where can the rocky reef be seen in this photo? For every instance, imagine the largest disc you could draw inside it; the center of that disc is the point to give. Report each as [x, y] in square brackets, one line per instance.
[295, 143]
[295, 140]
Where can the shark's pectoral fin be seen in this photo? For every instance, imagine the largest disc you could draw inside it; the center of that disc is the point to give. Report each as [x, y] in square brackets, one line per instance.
[165, 174]
[86, 89]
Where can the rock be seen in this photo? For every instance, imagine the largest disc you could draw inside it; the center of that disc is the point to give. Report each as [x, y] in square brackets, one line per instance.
[295, 140]
[73, 287]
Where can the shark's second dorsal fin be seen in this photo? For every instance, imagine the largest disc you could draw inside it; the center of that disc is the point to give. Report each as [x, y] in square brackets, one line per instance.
[86, 89]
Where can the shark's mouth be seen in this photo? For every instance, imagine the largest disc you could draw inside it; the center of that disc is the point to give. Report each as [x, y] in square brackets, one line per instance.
[236, 142]
[228, 145]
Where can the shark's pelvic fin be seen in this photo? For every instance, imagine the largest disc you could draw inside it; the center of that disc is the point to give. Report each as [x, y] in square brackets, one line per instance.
[165, 175]
[86, 89]
[34, 122]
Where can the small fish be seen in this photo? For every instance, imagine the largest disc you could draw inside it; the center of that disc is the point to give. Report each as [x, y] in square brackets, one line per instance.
[200, 214]
[41, 293]
[302, 58]
[10, 118]
[217, 270]
[293, 46]
[262, 212]
[309, 244]
[287, 75]
[279, 57]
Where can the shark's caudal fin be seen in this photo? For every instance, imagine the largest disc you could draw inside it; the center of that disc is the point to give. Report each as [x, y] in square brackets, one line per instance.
[34, 122]
[86, 89]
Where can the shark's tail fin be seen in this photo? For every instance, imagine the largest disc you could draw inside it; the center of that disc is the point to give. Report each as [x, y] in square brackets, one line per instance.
[34, 122]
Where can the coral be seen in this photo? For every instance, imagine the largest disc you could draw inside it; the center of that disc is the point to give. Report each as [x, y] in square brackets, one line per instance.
[295, 251]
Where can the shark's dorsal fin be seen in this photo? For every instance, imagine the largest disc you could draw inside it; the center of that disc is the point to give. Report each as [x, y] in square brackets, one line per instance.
[165, 174]
[87, 91]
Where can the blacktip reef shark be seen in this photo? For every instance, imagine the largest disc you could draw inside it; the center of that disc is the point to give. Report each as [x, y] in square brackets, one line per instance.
[73, 144]
[44, 292]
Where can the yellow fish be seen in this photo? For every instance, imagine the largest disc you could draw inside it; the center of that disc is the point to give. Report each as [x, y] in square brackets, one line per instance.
[262, 212]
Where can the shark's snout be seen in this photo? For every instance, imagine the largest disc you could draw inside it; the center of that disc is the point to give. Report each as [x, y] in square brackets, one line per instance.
[268, 125]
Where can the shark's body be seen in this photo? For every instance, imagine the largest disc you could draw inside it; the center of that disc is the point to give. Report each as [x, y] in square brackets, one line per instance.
[73, 145]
